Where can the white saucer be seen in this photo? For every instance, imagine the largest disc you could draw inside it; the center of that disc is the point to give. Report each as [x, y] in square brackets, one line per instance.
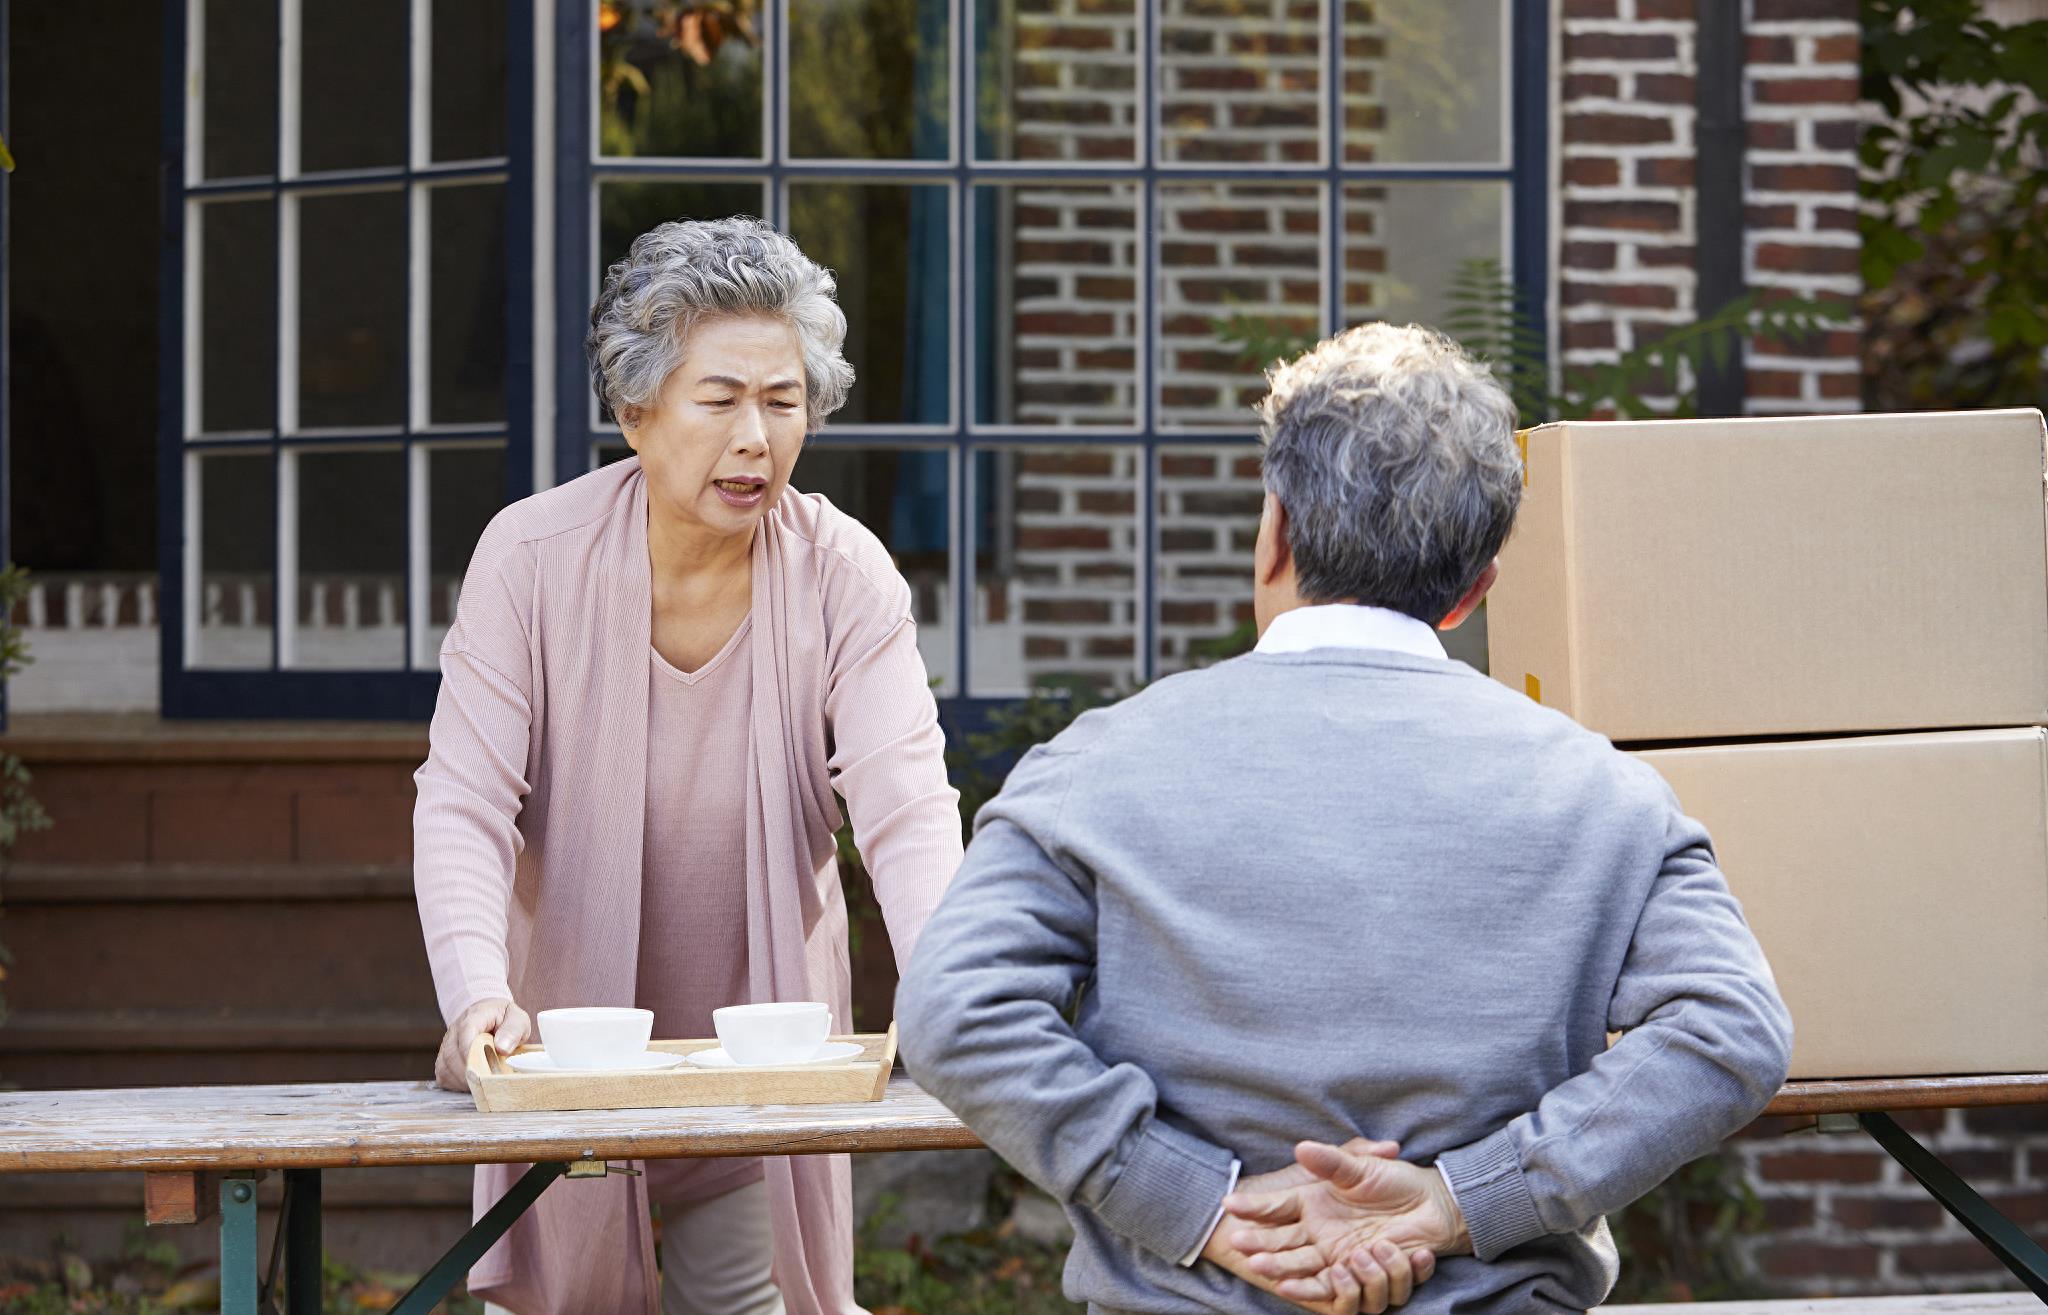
[836, 1052]
[538, 1062]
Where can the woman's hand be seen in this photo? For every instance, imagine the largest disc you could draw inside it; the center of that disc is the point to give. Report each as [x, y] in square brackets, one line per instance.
[507, 1020]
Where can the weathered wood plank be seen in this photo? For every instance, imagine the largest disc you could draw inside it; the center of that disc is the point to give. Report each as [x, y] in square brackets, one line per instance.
[179, 1198]
[339, 1125]
[1869, 1095]
[405, 1123]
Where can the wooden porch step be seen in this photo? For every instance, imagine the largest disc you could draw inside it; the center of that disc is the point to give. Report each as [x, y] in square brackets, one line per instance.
[183, 883]
[129, 1031]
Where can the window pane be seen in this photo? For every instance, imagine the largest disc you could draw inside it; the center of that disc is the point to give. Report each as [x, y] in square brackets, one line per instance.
[889, 246]
[352, 309]
[465, 488]
[237, 545]
[465, 303]
[1055, 569]
[237, 315]
[468, 101]
[1406, 244]
[1425, 81]
[901, 494]
[349, 605]
[1241, 82]
[1209, 500]
[625, 210]
[678, 80]
[868, 79]
[1240, 283]
[1056, 304]
[352, 84]
[239, 76]
[1057, 81]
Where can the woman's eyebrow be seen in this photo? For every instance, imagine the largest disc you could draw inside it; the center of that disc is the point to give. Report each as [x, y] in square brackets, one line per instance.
[730, 382]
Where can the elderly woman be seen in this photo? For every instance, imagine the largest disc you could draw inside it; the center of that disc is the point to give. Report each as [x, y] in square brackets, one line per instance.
[658, 676]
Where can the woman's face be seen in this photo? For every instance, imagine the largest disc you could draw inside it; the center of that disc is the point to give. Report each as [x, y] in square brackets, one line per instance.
[719, 443]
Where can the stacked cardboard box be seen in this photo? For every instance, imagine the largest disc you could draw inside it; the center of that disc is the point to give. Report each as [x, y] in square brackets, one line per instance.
[1760, 608]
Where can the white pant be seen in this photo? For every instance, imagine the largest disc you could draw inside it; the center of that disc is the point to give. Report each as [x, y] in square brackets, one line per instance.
[716, 1256]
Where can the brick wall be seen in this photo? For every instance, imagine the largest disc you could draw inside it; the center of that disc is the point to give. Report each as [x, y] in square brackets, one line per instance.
[1843, 1218]
[1801, 218]
[1629, 227]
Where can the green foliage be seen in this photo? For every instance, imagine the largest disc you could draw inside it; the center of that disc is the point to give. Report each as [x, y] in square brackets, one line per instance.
[1489, 317]
[1677, 1243]
[1955, 221]
[985, 1272]
[985, 757]
[677, 77]
[19, 811]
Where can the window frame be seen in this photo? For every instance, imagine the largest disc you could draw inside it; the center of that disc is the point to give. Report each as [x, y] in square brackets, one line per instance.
[406, 691]
[1526, 109]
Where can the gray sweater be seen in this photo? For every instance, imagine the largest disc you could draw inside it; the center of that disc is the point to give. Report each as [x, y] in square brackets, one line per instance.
[1341, 893]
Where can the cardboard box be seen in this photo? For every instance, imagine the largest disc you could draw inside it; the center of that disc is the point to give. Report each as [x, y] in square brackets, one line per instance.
[1708, 579]
[1899, 885]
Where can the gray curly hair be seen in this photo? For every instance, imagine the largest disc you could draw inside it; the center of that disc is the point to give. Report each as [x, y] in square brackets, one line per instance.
[678, 274]
[1393, 453]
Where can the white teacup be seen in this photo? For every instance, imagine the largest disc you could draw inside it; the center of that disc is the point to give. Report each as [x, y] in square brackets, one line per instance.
[786, 1033]
[595, 1037]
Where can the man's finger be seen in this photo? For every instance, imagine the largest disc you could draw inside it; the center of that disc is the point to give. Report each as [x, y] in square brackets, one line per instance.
[1331, 1164]
[1304, 1291]
[1253, 1241]
[1379, 1150]
[1264, 1207]
[1301, 1262]
[1424, 1265]
[1344, 1289]
[1400, 1277]
[1372, 1282]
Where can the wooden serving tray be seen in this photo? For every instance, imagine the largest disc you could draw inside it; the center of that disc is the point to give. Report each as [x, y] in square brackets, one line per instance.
[498, 1088]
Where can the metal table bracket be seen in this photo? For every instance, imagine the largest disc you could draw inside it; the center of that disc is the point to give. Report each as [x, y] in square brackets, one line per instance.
[449, 1270]
[2001, 1236]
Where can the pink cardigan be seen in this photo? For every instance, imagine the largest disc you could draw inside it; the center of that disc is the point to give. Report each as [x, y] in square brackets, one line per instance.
[528, 828]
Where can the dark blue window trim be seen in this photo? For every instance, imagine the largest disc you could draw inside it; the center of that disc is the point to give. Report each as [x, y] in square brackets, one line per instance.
[325, 694]
[410, 694]
[6, 319]
[1527, 174]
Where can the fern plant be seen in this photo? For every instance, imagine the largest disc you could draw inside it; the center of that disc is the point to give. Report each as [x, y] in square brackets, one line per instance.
[19, 811]
[1491, 319]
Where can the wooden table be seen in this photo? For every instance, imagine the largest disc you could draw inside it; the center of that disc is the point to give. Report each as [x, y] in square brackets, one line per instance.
[203, 1147]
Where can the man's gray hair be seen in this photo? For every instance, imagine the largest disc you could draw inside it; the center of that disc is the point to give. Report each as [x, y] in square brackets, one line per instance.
[1393, 454]
[677, 275]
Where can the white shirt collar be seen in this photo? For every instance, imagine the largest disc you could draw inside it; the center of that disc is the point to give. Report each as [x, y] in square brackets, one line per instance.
[1347, 625]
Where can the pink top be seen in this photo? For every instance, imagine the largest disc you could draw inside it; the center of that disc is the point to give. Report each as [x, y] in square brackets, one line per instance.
[530, 831]
[693, 876]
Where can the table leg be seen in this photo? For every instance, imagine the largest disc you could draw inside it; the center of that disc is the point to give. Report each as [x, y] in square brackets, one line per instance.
[302, 1264]
[238, 1257]
[2014, 1249]
[437, 1282]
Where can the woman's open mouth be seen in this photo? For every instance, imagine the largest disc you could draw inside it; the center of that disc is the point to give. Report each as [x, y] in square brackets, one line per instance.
[741, 492]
